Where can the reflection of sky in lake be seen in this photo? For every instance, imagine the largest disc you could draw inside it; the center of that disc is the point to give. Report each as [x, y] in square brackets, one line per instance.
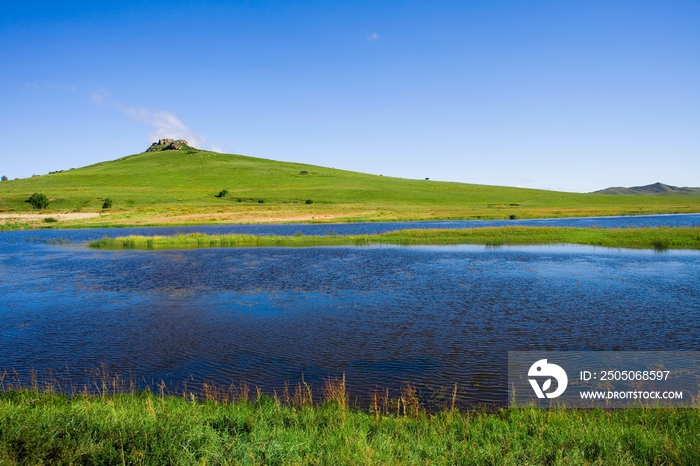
[382, 315]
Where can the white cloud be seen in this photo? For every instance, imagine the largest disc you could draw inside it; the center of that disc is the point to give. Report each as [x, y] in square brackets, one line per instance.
[221, 147]
[98, 96]
[164, 125]
[372, 36]
[48, 86]
[32, 86]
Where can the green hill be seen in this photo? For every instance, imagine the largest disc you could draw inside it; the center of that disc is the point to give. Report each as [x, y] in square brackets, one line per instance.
[656, 189]
[180, 186]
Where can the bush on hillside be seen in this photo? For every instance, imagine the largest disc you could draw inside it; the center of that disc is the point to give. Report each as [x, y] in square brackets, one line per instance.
[4, 178]
[107, 203]
[38, 201]
[309, 201]
[222, 193]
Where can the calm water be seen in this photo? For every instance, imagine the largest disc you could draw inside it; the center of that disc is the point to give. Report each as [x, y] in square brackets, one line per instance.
[433, 316]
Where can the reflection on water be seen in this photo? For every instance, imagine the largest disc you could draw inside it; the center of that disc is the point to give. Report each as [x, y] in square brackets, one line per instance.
[433, 315]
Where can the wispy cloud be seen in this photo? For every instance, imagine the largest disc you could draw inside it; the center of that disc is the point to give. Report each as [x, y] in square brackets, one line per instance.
[221, 147]
[164, 125]
[98, 96]
[48, 86]
[31, 86]
[372, 36]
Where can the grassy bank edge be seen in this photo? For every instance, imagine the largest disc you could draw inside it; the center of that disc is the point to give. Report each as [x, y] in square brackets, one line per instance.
[658, 238]
[144, 428]
[135, 219]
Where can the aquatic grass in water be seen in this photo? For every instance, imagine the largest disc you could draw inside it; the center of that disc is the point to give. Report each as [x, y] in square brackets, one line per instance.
[640, 238]
[200, 240]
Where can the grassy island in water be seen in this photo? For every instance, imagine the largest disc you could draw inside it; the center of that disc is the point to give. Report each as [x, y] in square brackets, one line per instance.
[638, 238]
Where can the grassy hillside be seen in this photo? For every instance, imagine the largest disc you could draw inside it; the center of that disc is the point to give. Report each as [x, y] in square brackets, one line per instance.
[180, 187]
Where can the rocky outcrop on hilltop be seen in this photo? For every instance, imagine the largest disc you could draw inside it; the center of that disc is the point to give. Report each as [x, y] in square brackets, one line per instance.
[168, 144]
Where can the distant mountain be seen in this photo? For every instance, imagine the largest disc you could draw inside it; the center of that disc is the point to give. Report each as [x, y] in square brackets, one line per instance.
[656, 189]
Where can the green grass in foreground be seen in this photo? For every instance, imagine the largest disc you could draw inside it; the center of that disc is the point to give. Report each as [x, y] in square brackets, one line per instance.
[143, 428]
[641, 238]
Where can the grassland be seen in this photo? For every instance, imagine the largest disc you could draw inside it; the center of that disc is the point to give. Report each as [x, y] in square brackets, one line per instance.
[9, 226]
[180, 187]
[37, 427]
[638, 238]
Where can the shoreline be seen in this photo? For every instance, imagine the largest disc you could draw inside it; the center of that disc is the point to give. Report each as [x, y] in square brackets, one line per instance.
[137, 219]
[24, 221]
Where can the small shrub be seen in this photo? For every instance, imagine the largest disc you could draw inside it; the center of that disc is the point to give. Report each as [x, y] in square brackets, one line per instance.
[427, 179]
[239, 200]
[309, 201]
[107, 203]
[222, 193]
[50, 220]
[303, 172]
[4, 178]
[661, 244]
[513, 216]
[261, 201]
[38, 201]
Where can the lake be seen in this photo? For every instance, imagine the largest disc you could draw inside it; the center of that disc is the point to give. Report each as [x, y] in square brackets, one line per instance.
[382, 315]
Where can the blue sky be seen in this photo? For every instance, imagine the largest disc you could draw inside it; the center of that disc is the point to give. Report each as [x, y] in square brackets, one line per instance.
[573, 96]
